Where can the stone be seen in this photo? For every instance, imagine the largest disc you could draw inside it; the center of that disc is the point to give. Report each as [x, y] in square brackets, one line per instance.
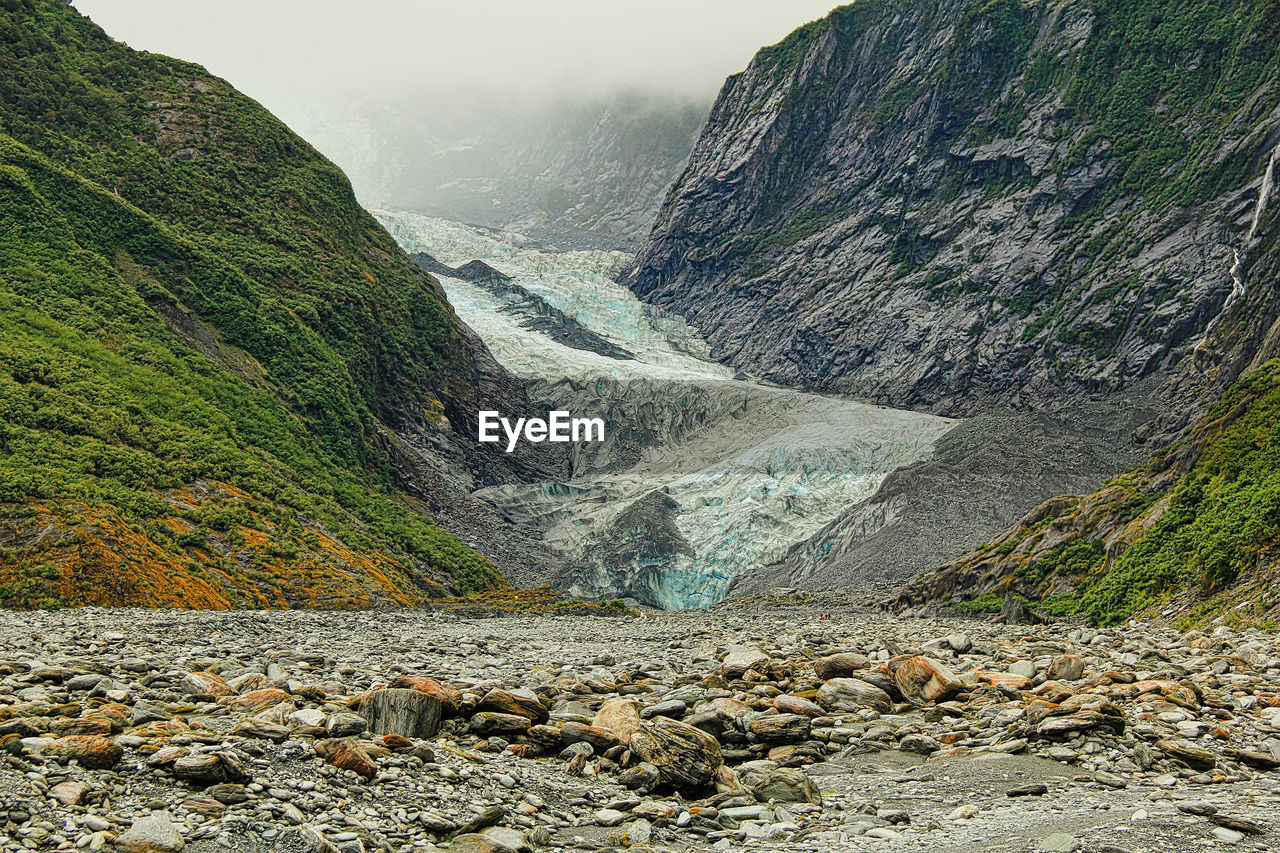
[786, 785]
[1031, 789]
[154, 833]
[600, 739]
[621, 717]
[491, 722]
[780, 728]
[450, 697]
[740, 658]
[1195, 757]
[69, 793]
[346, 754]
[853, 694]
[345, 724]
[686, 757]
[257, 700]
[519, 703]
[1024, 668]
[923, 680]
[643, 777]
[1059, 842]
[787, 704]
[205, 685]
[209, 768]
[840, 665]
[93, 752]
[403, 711]
[1066, 668]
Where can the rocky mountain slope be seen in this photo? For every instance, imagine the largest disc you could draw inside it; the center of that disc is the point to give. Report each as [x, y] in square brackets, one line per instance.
[953, 205]
[1190, 532]
[586, 172]
[222, 382]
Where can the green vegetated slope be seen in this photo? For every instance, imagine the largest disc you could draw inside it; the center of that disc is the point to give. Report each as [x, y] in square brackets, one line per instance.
[1192, 532]
[199, 330]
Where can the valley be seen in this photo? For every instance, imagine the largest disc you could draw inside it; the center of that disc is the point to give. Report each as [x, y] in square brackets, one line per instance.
[704, 475]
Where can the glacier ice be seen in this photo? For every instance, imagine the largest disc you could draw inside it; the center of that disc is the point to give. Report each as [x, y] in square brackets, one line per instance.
[703, 474]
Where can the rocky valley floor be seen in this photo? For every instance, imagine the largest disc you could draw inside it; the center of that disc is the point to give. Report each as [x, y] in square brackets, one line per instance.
[756, 726]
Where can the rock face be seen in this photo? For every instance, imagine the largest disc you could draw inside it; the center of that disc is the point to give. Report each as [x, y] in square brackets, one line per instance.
[958, 205]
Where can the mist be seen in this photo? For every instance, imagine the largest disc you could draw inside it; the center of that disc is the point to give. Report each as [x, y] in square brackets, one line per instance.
[563, 119]
[282, 52]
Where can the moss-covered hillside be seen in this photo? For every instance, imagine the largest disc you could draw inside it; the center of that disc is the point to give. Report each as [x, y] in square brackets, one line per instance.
[200, 331]
[1192, 533]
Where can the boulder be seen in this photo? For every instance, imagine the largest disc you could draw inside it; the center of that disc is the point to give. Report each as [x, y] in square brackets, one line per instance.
[402, 711]
[840, 665]
[92, 752]
[519, 703]
[853, 694]
[780, 728]
[491, 722]
[742, 658]
[205, 685]
[1195, 757]
[619, 716]
[154, 833]
[344, 724]
[686, 757]
[787, 785]
[346, 754]
[1066, 668]
[450, 697]
[210, 768]
[600, 738]
[923, 680]
[788, 704]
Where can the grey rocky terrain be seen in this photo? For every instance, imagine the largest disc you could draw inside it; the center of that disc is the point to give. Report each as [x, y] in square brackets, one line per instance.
[758, 725]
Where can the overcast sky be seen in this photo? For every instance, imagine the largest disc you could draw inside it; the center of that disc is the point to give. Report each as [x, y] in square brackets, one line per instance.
[286, 51]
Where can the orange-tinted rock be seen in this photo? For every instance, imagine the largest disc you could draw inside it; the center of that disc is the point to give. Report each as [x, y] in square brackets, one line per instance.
[450, 697]
[205, 684]
[922, 680]
[1006, 679]
[257, 700]
[91, 751]
[852, 694]
[620, 716]
[346, 754]
[686, 757]
[501, 701]
[787, 704]
[599, 738]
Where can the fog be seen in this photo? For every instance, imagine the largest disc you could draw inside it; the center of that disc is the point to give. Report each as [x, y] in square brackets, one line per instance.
[283, 52]
[551, 116]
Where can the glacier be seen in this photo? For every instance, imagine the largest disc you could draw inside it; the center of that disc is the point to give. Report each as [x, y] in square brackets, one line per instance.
[705, 473]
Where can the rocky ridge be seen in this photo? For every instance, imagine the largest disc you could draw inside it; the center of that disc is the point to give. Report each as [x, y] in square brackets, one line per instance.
[958, 205]
[778, 724]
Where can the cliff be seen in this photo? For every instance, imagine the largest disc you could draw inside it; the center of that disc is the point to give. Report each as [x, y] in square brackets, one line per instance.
[955, 205]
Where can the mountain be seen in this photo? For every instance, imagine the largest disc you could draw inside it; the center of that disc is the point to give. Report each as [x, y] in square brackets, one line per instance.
[222, 382]
[960, 205]
[1192, 531]
[575, 172]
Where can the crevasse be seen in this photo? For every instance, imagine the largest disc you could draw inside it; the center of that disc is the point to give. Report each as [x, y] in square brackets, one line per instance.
[704, 476]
